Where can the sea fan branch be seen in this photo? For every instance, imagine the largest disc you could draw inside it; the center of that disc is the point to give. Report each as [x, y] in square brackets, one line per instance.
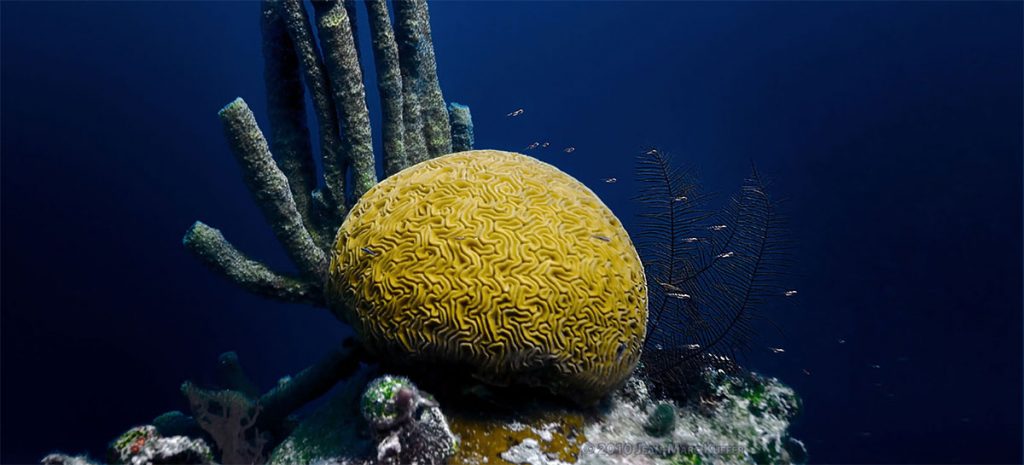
[707, 277]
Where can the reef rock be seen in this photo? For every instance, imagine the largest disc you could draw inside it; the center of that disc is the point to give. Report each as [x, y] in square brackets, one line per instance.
[408, 423]
[63, 459]
[143, 445]
[739, 419]
[731, 419]
[391, 422]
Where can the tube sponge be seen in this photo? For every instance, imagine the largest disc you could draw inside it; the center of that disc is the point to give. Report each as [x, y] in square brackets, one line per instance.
[496, 262]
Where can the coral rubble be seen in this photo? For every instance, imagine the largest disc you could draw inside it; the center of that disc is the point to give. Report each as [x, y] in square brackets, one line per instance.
[732, 419]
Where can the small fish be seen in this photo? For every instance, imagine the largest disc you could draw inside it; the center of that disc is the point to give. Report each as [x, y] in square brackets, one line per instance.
[690, 240]
[610, 180]
[725, 255]
[515, 113]
[369, 251]
[790, 293]
[545, 145]
[602, 238]
[533, 146]
[678, 295]
[652, 152]
[569, 149]
[777, 350]
[842, 341]
[681, 198]
[717, 227]
[807, 372]
[875, 366]
[669, 287]
[692, 346]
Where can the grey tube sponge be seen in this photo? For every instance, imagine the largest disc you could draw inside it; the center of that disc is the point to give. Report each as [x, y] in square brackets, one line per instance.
[335, 33]
[462, 127]
[435, 116]
[286, 109]
[270, 188]
[334, 163]
[415, 144]
[230, 375]
[323, 60]
[389, 84]
[216, 252]
[409, 36]
[307, 385]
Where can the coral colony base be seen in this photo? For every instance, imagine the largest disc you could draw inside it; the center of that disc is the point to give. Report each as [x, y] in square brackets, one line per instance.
[496, 282]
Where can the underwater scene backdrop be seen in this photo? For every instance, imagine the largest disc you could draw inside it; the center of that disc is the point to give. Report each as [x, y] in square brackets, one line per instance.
[891, 131]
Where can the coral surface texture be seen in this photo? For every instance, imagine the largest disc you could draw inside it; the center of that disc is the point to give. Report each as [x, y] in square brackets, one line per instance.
[498, 263]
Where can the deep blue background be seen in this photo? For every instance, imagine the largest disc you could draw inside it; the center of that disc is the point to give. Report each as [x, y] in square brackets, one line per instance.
[893, 129]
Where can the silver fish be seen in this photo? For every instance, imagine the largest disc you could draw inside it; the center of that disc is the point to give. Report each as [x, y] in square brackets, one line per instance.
[670, 287]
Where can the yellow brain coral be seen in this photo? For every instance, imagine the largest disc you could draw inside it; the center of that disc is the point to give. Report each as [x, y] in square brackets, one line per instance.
[497, 262]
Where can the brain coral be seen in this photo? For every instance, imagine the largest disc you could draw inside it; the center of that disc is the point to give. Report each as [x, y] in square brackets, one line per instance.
[497, 263]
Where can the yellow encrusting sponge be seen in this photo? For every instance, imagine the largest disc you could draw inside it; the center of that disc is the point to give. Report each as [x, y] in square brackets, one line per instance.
[497, 262]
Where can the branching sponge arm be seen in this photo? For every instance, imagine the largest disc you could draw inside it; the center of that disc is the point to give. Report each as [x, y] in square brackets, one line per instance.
[408, 36]
[435, 116]
[216, 252]
[389, 84]
[412, 28]
[309, 384]
[342, 60]
[334, 164]
[462, 127]
[270, 188]
[286, 109]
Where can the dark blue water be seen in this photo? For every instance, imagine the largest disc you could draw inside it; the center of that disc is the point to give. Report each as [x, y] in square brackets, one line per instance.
[893, 129]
